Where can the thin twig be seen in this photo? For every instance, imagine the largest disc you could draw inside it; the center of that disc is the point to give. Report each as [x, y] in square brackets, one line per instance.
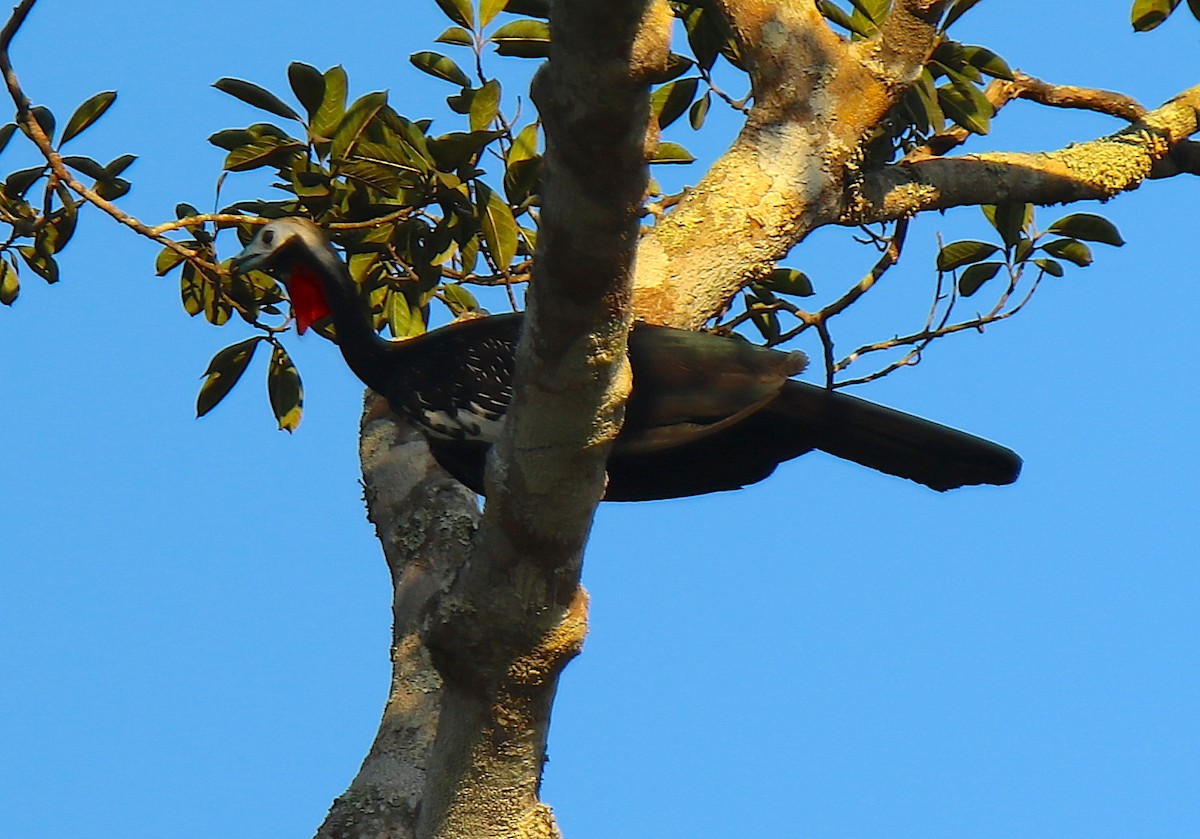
[891, 255]
[35, 133]
[920, 340]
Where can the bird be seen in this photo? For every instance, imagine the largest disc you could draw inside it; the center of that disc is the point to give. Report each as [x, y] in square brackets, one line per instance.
[706, 413]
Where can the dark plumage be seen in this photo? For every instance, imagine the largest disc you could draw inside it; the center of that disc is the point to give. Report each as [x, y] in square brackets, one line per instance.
[706, 413]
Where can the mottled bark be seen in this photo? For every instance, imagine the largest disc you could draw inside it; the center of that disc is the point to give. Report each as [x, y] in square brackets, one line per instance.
[1098, 169]
[480, 643]
[425, 521]
[817, 99]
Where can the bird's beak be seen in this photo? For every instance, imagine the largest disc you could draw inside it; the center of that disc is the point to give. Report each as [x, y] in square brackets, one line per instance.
[246, 260]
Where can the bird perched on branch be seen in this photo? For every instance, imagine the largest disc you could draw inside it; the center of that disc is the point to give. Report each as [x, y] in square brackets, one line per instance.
[706, 413]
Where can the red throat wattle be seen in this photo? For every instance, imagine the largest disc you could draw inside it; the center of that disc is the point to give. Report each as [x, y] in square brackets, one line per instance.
[308, 299]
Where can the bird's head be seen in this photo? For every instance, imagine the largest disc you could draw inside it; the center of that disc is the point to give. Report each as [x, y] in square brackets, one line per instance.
[294, 250]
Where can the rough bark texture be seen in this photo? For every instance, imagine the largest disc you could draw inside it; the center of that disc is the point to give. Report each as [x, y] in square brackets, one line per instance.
[816, 100]
[425, 521]
[479, 644]
[1095, 170]
[515, 614]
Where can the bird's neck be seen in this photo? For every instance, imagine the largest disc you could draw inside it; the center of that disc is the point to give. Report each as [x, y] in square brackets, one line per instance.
[369, 355]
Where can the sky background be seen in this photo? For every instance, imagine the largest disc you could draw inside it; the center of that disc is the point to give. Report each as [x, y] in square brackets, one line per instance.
[194, 615]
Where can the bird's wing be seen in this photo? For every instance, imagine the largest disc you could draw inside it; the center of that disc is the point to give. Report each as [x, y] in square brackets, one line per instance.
[687, 385]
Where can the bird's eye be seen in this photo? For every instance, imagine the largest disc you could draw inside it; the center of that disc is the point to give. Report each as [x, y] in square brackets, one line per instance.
[268, 237]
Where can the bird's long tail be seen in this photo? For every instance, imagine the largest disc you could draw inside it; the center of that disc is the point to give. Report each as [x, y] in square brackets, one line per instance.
[890, 441]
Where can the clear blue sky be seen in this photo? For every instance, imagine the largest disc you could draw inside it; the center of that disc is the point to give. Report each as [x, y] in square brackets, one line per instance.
[194, 615]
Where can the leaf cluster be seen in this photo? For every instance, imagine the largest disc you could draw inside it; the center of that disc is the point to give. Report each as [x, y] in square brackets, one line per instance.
[422, 217]
[37, 208]
[410, 208]
[1021, 245]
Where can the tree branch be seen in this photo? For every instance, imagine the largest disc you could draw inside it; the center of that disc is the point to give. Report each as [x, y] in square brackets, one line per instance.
[814, 103]
[515, 614]
[425, 520]
[1095, 170]
[33, 130]
[1000, 92]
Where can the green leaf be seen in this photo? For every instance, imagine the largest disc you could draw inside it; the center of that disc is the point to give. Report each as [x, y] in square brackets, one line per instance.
[524, 146]
[488, 9]
[87, 166]
[530, 238]
[88, 113]
[167, 261]
[523, 39]
[456, 35]
[230, 138]
[1023, 250]
[42, 264]
[522, 180]
[1089, 227]
[10, 285]
[921, 100]
[45, 119]
[960, 8]
[704, 37]
[459, 11]
[699, 111]
[671, 153]
[766, 321]
[403, 320]
[669, 102]
[529, 8]
[373, 174]
[333, 106]
[976, 275]
[355, 123]
[223, 372]
[266, 151]
[1194, 5]
[458, 299]
[965, 103]
[6, 133]
[458, 148]
[55, 235]
[485, 105]
[285, 390]
[988, 62]
[862, 17]
[217, 308]
[958, 254]
[309, 86]
[119, 164]
[252, 94]
[200, 294]
[835, 14]
[1071, 250]
[19, 182]
[1051, 266]
[872, 10]
[1147, 14]
[439, 66]
[112, 189]
[677, 65]
[789, 281]
[498, 226]
[1009, 218]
